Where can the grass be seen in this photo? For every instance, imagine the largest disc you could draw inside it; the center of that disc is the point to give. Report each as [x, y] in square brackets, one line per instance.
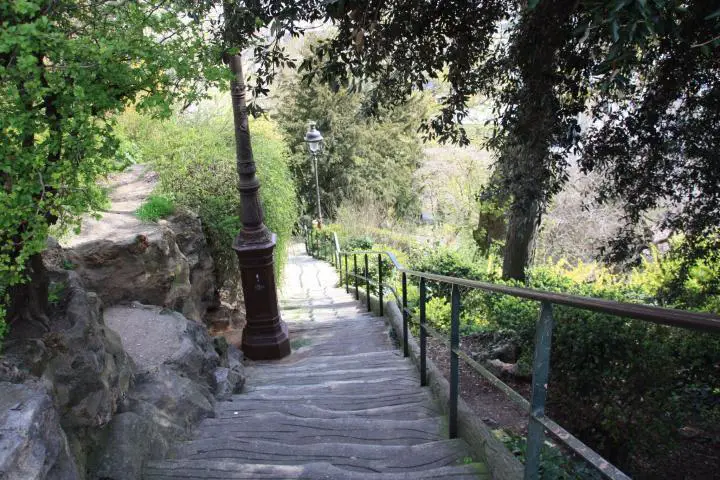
[155, 208]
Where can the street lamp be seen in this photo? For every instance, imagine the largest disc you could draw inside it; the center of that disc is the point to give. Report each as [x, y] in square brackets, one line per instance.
[314, 143]
[265, 336]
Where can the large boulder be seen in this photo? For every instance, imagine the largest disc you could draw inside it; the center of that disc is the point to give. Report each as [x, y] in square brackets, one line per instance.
[165, 263]
[32, 443]
[181, 372]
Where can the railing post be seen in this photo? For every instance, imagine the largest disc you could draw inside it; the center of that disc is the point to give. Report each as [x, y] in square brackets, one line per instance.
[367, 284]
[380, 285]
[406, 350]
[454, 363]
[317, 245]
[423, 334]
[347, 277]
[357, 292]
[541, 372]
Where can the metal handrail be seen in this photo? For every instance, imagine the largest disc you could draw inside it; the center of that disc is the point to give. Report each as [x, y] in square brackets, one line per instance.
[536, 407]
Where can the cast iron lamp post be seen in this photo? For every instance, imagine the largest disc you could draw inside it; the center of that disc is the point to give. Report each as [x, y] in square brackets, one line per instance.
[265, 335]
[314, 143]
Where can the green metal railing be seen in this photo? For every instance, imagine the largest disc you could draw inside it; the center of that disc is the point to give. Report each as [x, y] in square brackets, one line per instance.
[319, 245]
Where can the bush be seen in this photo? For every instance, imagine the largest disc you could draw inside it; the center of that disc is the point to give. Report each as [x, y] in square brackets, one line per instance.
[195, 160]
[621, 385]
[155, 208]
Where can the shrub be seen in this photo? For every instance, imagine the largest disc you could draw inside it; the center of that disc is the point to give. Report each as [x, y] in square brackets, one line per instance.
[155, 208]
[195, 161]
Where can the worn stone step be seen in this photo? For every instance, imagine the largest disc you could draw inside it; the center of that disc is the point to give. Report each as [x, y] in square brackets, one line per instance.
[287, 429]
[333, 400]
[354, 457]
[354, 386]
[369, 360]
[407, 410]
[310, 376]
[231, 470]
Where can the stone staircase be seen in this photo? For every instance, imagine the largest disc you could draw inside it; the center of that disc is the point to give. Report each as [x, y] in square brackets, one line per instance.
[344, 405]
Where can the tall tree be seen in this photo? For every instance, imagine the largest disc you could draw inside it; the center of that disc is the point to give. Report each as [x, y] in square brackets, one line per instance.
[403, 44]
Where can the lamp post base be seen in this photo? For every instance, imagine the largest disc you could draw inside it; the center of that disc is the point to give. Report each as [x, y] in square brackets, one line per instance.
[265, 336]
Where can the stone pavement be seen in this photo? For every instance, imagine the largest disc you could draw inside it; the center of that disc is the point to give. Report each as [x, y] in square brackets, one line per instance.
[344, 405]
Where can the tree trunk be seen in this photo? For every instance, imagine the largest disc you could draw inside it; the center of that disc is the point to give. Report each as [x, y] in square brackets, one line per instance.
[28, 310]
[520, 239]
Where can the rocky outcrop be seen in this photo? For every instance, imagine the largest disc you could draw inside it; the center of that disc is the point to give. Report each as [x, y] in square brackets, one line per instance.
[78, 359]
[181, 372]
[91, 410]
[165, 263]
[32, 444]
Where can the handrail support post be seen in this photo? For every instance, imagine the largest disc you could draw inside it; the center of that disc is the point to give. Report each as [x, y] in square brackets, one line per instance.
[541, 373]
[357, 291]
[454, 361]
[380, 285]
[406, 348]
[423, 334]
[347, 276]
[367, 284]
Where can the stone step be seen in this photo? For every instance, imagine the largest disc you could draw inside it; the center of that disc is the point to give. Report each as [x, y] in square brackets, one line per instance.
[349, 386]
[339, 399]
[231, 470]
[285, 428]
[370, 359]
[314, 376]
[354, 457]
[331, 408]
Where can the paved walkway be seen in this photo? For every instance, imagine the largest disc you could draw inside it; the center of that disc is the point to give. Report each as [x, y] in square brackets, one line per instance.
[344, 405]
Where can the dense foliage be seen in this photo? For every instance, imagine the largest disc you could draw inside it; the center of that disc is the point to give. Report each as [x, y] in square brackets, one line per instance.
[367, 160]
[194, 157]
[65, 68]
[658, 131]
[649, 69]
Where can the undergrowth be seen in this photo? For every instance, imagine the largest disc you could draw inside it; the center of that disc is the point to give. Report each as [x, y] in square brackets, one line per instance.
[155, 208]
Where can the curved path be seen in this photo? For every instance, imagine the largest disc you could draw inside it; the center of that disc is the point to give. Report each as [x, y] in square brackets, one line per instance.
[344, 405]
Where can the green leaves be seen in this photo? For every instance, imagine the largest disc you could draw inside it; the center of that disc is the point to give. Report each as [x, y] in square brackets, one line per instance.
[66, 68]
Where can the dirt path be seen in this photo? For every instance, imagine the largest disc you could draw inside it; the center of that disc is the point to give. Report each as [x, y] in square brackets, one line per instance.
[128, 190]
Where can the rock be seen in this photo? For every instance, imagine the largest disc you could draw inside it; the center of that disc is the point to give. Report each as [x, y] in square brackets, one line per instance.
[506, 352]
[171, 401]
[192, 243]
[32, 443]
[230, 377]
[227, 382]
[501, 346]
[155, 336]
[129, 440]
[151, 264]
[80, 362]
[145, 265]
[501, 368]
[89, 370]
